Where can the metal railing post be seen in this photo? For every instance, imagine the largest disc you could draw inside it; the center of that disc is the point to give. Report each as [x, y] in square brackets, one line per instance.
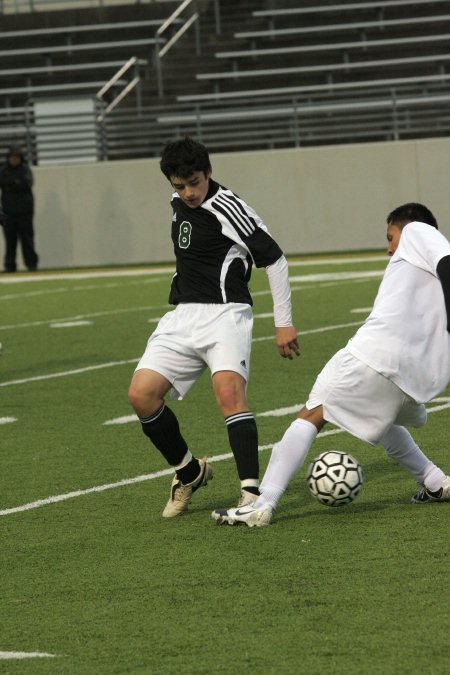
[138, 90]
[394, 115]
[198, 45]
[101, 133]
[31, 152]
[158, 68]
[217, 17]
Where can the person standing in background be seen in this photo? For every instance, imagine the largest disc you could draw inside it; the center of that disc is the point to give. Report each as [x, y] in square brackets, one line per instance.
[16, 181]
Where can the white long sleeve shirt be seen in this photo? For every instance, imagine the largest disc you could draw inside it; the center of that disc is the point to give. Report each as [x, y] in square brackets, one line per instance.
[405, 337]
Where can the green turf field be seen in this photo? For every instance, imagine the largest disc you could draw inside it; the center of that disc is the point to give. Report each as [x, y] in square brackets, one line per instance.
[94, 581]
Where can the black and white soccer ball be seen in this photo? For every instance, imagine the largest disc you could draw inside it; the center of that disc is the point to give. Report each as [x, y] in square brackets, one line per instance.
[334, 478]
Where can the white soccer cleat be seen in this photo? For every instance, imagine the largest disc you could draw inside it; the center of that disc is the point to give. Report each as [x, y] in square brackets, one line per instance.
[425, 496]
[249, 515]
[180, 494]
[246, 498]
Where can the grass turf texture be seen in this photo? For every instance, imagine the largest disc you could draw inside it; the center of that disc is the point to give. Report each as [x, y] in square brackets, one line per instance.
[106, 584]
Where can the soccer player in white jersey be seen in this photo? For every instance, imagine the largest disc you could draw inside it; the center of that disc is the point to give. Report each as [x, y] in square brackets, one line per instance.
[217, 238]
[397, 361]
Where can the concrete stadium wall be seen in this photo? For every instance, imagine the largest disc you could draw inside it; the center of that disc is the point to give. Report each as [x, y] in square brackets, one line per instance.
[332, 198]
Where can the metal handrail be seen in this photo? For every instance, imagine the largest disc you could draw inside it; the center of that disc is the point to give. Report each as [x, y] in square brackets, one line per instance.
[177, 35]
[172, 17]
[123, 69]
[112, 81]
[160, 52]
[125, 91]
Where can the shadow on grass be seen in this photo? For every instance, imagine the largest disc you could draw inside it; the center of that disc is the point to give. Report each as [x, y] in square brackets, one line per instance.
[299, 512]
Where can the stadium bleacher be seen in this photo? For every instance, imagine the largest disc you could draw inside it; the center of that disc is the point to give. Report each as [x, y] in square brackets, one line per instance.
[259, 74]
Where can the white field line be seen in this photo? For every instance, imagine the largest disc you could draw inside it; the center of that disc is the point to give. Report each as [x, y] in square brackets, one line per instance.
[111, 486]
[7, 420]
[71, 324]
[323, 329]
[81, 317]
[67, 373]
[166, 269]
[337, 261]
[309, 287]
[70, 289]
[50, 276]
[279, 412]
[125, 419]
[151, 476]
[25, 655]
[339, 277]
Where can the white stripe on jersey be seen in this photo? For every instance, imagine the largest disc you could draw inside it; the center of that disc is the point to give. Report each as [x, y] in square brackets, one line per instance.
[229, 205]
[235, 251]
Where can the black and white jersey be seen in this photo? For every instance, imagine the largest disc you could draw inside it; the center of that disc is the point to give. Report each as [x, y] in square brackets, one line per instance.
[215, 246]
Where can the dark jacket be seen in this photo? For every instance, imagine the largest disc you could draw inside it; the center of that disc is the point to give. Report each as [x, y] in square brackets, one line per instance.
[16, 183]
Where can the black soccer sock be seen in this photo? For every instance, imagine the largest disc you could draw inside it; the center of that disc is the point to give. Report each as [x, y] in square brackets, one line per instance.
[243, 437]
[163, 430]
[189, 472]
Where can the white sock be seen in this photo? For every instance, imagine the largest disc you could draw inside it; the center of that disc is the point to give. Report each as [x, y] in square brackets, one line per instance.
[185, 461]
[400, 446]
[286, 459]
[433, 479]
[249, 482]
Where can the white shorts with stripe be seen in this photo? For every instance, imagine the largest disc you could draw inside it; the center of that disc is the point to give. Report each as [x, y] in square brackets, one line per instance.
[196, 336]
[360, 400]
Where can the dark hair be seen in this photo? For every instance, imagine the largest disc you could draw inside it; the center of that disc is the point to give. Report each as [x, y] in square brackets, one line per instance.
[15, 150]
[183, 157]
[409, 212]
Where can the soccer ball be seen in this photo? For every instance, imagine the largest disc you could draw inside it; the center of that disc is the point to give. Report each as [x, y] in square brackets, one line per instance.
[334, 478]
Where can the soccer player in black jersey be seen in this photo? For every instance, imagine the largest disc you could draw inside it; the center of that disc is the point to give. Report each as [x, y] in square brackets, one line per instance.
[217, 238]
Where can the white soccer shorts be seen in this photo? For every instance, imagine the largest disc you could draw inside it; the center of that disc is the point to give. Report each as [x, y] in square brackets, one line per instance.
[195, 336]
[360, 400]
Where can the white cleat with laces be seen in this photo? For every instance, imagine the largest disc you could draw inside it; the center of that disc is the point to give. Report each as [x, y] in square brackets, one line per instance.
[246, 498]
[251, 515]
[180, 494]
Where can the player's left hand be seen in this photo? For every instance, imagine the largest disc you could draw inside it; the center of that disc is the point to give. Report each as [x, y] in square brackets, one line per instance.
[287, 341]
